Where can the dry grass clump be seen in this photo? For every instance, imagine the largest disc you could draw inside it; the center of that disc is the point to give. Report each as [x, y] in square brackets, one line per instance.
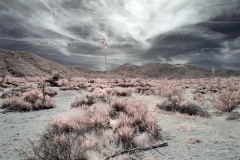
[31, 100]
[174, 104]
[118, 104]
[81, 101]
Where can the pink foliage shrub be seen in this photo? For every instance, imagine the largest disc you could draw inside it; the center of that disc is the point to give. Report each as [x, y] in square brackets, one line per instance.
[16, 104]
[122, 93]
[51, 92]
[227, 100]
[99, 120]
[125, 135]
[124, 119]
[81, 101]
[150, 124]
[31, 100]
[118, 104]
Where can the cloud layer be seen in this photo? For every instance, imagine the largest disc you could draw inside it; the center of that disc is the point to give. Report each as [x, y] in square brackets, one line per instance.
[178, 31]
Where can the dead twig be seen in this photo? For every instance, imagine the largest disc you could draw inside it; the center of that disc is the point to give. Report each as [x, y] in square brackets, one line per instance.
[137, 150]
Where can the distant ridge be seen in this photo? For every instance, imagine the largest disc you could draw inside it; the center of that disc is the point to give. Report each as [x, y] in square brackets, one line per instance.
[28, 64]
[177, 71]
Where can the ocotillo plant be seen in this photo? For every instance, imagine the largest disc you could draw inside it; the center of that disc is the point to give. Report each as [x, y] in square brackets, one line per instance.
[104, 47]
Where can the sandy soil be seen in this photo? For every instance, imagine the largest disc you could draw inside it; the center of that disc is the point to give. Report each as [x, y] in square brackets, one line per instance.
[187, 137]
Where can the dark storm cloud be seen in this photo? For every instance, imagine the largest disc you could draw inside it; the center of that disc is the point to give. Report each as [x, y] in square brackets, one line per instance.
[179, 31]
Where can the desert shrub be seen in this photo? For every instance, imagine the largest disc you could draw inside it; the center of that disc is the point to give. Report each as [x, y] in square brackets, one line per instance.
[124, 136]
[122, 93]
[98, 120]
[100, 94]
[227, 101]
[51, 92]
[89, 135]
[52, 146]
[11, 94]
[39, 104]
[124, 120]
[80, 101]
[32, 96]
[168, 88]
[175, 105]
[150, 124]
[144, 90]
[118, 104]
[31, 100]
[62, 82]
[15, 103]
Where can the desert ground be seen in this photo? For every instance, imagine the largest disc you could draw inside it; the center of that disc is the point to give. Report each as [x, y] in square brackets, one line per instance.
[197, 118]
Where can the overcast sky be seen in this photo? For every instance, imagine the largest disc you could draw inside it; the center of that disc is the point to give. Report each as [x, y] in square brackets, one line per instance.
[205, 33]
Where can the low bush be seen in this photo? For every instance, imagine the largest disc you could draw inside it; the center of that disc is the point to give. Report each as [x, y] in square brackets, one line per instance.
[15, 103]
[175, 105]
[51, 92]
[80, 101]
[122, 93]
[31, 100]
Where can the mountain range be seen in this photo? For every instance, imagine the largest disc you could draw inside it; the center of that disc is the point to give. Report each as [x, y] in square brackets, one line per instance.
[20, 63]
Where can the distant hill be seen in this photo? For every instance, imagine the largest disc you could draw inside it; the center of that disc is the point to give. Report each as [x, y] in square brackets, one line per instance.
[158, 70]
[28, 64]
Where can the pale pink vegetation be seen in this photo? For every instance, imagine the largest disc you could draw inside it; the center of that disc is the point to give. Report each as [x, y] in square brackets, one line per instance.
[62, 82]
[16, 104]
[124, 119]
[125, 135]
[32, 96]
[83, 101]
[150, 124]
[31, 100]
[63, 124]
[73, 83]
[99, 120]
[168, 88]
[100, 93]
[51, 92]
[118, 104]
[34, 79]
[87, 144]
[137, 110]
[122, 93]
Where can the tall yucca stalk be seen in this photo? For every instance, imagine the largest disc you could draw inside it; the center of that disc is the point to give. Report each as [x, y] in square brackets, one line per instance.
[104, 47]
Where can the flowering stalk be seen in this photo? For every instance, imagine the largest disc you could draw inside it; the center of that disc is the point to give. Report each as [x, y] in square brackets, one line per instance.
[104, 47]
